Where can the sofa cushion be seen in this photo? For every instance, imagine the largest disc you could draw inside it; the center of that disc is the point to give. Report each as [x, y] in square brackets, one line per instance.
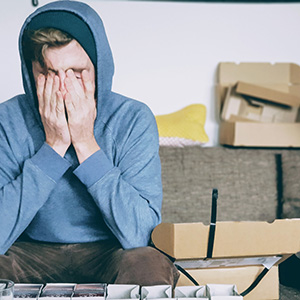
[245, 178]
[291, 183]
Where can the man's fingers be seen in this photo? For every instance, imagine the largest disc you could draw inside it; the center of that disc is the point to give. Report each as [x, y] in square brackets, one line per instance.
[40, 90]
[55, 88]
[72, 84]
[88, 84]
[48, 90]
[69, 103]
[60, 107]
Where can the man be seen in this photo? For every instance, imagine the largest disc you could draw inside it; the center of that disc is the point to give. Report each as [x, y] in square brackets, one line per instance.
[80, 170]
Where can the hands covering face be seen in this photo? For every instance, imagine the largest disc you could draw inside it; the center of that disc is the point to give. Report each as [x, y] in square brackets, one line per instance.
[78, 103]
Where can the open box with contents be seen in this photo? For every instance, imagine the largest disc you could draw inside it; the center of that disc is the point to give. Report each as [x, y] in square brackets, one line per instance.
[241, 252]
[257, 100]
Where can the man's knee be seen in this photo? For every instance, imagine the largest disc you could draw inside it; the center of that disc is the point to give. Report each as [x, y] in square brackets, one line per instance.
[146, 266]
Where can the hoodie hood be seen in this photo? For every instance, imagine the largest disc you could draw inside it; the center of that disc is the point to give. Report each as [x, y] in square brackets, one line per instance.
[90, 20]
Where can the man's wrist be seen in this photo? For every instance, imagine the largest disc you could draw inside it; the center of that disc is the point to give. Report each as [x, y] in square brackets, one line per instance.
[61, 149]
[85, 150]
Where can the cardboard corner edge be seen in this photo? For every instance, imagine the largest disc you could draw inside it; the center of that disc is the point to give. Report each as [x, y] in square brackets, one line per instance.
[163, 238]
[227, 133]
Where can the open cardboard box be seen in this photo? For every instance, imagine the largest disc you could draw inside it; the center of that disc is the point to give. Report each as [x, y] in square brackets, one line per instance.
[278, 84]
[257, 103]
[242, 240]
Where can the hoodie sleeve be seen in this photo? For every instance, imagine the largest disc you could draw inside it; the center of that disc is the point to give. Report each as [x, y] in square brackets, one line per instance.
[128, 193]
[24, 188]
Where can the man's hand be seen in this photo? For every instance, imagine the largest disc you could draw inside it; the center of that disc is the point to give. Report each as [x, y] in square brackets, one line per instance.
[81, 109]
[52, 111]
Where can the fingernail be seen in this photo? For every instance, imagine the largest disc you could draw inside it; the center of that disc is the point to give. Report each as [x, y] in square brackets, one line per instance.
[85, 74]
[41, 77]
[70, 72]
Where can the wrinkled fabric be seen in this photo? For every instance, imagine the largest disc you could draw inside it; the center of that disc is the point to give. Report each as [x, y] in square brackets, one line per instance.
[104, 262]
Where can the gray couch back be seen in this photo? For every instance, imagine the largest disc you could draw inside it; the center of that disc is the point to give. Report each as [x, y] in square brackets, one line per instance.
[253, 185]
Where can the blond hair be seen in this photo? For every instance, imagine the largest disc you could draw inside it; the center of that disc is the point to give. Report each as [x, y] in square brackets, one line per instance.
[38, 41]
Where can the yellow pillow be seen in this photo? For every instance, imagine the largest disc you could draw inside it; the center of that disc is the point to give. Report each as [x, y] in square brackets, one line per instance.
[184, 127]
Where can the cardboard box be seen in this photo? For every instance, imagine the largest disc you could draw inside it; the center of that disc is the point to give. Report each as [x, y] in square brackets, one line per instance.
[250, 134]
[232, 239]
[156, 292]
[122, 291]
[242, 277]
[247, 244]
[255, 103]
[184, 291]
[284, 77]
[222, 292]
[278, 83]
[208, 292]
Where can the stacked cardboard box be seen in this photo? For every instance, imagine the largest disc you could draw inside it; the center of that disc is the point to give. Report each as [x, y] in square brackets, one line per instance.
[258, 104]
[242, 250]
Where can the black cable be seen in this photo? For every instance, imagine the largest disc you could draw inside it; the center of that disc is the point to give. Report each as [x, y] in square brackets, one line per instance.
[190, 277]
[255, 282]
[212, 227]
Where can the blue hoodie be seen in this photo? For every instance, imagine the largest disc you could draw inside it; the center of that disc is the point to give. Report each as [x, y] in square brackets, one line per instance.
[115, 193]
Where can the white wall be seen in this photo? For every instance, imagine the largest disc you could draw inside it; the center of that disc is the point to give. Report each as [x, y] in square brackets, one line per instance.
[166, 53]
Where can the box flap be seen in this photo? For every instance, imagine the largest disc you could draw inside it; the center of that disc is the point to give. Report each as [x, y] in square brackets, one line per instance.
[258, 73]
[244, 106]
[266, 93]
[232, 239]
